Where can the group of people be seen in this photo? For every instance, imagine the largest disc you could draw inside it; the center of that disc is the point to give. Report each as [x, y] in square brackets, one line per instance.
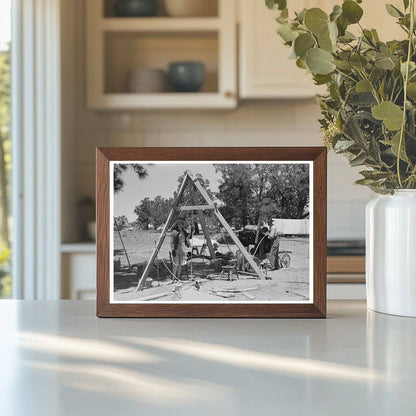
[268, 242]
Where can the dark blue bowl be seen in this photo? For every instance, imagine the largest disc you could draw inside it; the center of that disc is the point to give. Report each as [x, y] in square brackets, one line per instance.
[186, 76]
[136, 8]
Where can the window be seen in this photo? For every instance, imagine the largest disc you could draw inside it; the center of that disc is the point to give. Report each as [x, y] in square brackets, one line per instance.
[5, 145]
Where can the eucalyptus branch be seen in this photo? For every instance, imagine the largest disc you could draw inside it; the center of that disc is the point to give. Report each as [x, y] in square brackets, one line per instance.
[405, 81]
[346, 75]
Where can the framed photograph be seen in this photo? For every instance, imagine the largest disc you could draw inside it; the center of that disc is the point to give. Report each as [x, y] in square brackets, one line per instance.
[211, 232]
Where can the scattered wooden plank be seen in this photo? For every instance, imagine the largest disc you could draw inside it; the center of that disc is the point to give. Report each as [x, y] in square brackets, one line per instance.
[153, 297]
[222, 294]
[240, 290]
[248, 296]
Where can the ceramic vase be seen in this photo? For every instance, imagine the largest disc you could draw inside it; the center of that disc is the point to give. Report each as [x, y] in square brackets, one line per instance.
[391, 253]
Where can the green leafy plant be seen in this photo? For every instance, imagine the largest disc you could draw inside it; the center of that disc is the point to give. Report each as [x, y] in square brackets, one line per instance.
[369, 113]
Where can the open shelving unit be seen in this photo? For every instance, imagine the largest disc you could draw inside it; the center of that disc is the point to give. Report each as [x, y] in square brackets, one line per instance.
[118, 45]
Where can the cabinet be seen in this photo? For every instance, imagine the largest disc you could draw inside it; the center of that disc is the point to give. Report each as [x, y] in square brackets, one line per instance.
[265, 70]
[118, 45]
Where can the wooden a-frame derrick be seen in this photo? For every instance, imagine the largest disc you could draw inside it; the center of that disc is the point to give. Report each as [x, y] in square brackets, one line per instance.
[210, 205]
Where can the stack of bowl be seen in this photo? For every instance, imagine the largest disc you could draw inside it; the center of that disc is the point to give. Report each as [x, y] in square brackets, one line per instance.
[147, 80]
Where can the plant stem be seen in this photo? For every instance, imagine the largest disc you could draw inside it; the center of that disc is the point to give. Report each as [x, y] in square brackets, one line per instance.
[345, 75]
[406, 80]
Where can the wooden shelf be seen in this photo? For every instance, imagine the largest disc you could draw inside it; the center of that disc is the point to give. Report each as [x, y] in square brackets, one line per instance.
[128, 101]
[159, 24]
[116, 46]
[80, 247]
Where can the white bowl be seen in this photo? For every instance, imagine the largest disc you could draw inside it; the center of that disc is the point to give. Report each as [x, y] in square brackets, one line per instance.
[92, 230]
[146, 80]
[191, 8]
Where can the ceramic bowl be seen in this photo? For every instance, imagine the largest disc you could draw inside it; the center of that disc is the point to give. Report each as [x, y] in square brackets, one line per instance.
[186, 76]
[147, 80]
[135, 8]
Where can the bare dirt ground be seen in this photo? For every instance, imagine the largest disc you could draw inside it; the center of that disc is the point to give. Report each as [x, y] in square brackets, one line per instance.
[291, 284]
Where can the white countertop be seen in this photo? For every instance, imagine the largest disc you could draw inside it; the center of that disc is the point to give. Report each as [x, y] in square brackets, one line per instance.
[57, 359]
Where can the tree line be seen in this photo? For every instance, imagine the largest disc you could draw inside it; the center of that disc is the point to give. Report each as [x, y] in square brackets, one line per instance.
[247, 194]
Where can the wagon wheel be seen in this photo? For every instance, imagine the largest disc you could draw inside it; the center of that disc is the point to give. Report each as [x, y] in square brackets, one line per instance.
[284, 260]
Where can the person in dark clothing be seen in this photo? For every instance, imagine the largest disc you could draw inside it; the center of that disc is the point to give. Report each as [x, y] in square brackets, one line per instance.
[274, 251]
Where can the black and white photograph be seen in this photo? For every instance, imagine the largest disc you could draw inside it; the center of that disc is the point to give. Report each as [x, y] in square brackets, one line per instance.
[211, 232]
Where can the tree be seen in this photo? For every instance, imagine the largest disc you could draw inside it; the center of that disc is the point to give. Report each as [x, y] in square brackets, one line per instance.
[195, 197]
[121, 222]
[236, 192]
[5, 159]
[120, 168]
[153, 211]
[255, 192]
[290, 189]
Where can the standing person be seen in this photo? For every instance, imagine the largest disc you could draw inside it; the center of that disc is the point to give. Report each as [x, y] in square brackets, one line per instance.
[179, 240]
[274, 252]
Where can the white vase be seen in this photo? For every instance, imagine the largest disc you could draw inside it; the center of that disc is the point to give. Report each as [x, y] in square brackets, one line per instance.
[391, 253]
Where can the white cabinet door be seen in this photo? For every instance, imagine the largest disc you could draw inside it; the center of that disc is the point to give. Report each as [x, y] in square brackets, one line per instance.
[265, 68]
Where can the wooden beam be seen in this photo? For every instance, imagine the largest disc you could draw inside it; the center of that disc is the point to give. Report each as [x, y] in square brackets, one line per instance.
[237, 242]
[225, 224]
[165, 230]
[194, 207]
[202, 220]
[152, 259]
[206, 234]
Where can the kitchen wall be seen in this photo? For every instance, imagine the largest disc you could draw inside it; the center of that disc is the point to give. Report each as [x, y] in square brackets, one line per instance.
[255, 123]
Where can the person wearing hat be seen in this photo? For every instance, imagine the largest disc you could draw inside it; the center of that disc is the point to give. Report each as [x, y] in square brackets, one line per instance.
[178, 243]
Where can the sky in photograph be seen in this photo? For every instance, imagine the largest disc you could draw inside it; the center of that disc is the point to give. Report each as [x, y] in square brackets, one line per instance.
[162, 180]
[5, 20]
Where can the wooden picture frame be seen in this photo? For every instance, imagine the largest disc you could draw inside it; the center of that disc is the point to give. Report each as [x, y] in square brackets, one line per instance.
[317, 159]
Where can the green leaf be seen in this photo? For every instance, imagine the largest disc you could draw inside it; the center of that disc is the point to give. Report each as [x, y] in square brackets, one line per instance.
[363, 86]
[343, 65]
[343, 145]
[385, 63]
[319, 61]
[391, 114]
[406, 4]
[342, 25]
[411, 90]
[303, 43]
[316, 20]
[301, 63]
[351, 11]
[358, 160]
[300, 17]
[412, 67]
[336, 12]
[347, 37]
[375, 35]
[286, 32]
[393, 11]
[374, 175]
[276, 4]
[358, 61]
[374, 150]
[324, 42]
[327, 40]
[321, 79]
[364, 181]
[394, 145]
